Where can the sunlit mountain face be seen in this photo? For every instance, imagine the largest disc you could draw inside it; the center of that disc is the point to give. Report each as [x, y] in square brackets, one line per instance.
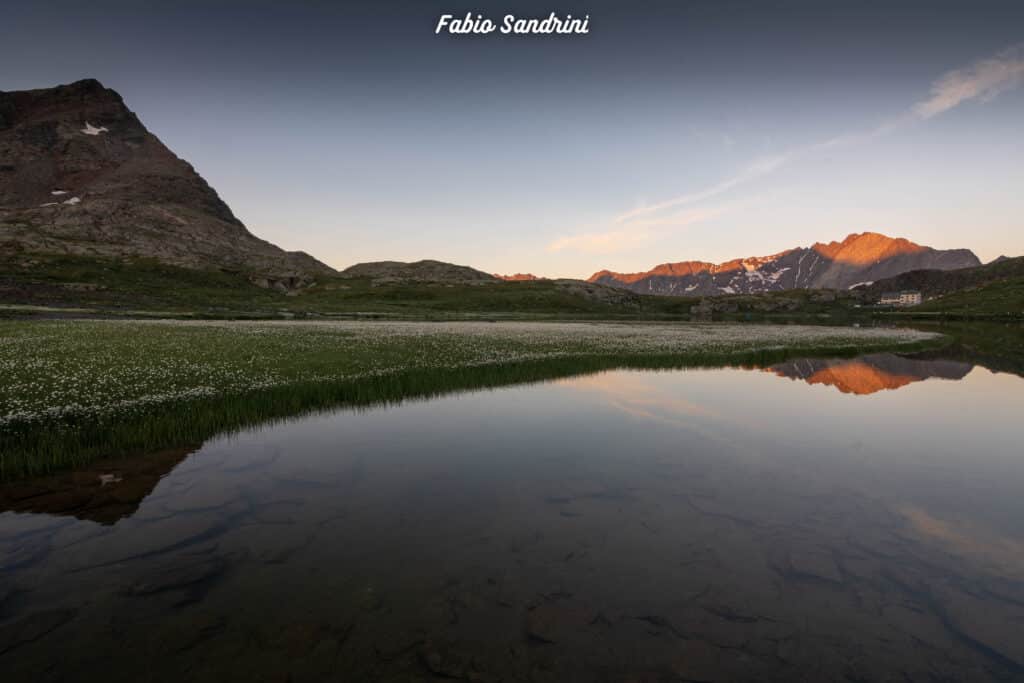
[869, 374]
[859, 259]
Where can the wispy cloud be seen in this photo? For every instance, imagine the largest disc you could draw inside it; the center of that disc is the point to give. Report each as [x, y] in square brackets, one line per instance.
[753, 170]
[636, 233]
[982, 80]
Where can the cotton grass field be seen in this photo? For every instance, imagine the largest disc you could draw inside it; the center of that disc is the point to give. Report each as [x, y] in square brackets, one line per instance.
[73, 390]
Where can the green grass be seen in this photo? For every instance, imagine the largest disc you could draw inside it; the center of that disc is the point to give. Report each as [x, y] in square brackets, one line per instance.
[96, 283]
[51, 284]
[997, 346]
[47, 285]
[1004, 298]
[133, 287]
[73, 391]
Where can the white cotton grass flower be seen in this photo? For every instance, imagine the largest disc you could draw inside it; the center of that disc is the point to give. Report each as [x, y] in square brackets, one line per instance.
[57, 370]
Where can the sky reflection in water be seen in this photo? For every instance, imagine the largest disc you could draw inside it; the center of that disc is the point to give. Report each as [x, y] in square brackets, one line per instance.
[814, 520]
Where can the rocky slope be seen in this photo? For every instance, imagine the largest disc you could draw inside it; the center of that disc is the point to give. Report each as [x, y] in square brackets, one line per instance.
[80, 174]
[860, 258]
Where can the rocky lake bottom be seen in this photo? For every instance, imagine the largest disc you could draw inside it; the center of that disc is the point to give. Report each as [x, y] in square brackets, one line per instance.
[817, 520]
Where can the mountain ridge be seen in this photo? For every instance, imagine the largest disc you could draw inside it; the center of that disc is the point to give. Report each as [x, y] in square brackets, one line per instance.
[858, 259]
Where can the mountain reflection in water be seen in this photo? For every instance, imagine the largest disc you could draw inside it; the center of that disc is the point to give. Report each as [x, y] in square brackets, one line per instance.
[104, 491]
[870, 373]
[624, 526]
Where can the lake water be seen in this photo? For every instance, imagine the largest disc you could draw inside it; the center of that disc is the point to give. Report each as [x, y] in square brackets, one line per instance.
[853, 520]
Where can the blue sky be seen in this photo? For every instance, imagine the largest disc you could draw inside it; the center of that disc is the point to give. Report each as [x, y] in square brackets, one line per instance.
[674, 131]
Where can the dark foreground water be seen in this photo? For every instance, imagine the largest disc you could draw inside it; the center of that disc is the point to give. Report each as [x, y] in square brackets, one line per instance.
[816, 521]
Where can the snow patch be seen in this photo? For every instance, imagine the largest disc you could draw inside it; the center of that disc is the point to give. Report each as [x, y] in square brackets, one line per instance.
[728, 290]
[57, 193]
[49, 204]
[72, 201]
[92, 130]
[858, 284]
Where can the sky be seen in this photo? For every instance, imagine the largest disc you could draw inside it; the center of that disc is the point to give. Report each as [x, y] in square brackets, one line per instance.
[686, 130]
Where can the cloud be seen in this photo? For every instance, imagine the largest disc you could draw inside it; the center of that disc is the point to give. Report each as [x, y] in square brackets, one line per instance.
[601, 242]
[755, 169]
[635, 233]
[984, 80]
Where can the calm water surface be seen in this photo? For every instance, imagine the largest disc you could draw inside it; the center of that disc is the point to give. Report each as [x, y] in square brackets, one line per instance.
[849, 520]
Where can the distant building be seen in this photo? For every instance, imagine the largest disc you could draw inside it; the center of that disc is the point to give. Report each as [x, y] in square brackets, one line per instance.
[910, 298]
[905, 298]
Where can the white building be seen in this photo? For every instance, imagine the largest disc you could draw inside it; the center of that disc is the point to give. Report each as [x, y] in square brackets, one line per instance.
[910, 298]
[907, 297]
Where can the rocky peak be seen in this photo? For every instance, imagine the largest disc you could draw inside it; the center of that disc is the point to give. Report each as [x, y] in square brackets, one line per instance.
[81, 174]
[680, 268]
[867, 247]
[860, 258]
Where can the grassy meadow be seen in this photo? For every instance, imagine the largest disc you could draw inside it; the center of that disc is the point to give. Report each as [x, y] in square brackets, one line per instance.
[134, 287]
[74, 390]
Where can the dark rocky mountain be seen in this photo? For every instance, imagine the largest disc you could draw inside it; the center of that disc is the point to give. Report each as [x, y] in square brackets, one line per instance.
[858, 259]
[80, 174]
[417, 271]
[933, 283]
[871, 373]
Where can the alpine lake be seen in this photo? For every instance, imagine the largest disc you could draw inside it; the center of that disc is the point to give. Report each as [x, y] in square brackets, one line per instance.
[814, 519]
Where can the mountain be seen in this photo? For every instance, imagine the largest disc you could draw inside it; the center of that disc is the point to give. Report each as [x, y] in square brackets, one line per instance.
[871, 373]
[858, 259]
[81, 175]
[418, 271]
